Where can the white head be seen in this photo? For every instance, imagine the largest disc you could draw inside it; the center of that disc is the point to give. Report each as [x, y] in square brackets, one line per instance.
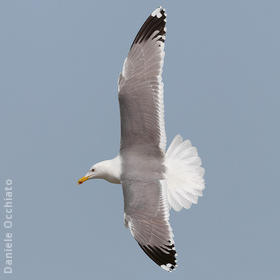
[107, 169]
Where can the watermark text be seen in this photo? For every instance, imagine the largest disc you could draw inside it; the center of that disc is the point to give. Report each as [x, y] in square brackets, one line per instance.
[8, 227]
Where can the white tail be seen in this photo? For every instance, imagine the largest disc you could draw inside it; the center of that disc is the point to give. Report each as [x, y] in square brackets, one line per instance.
[184, 174]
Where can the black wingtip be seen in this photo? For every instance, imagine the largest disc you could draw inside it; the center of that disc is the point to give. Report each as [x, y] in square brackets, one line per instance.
[165, 258]
[155, 22]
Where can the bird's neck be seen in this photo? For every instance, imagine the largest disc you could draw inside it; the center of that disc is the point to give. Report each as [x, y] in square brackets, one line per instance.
[112, 168]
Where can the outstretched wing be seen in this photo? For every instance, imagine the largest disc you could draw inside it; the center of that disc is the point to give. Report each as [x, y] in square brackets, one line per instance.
[141, 87]
[146, 215]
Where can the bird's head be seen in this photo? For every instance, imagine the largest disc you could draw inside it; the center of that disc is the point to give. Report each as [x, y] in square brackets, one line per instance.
[95, 172]
[109, 170]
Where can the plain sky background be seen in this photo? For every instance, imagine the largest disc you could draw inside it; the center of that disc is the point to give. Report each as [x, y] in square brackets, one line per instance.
[59, 65]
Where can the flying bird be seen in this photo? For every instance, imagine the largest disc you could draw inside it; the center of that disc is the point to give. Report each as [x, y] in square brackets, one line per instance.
[153, 180]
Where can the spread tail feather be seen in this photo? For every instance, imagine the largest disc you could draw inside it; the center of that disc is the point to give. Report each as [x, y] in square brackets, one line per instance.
[184, 174]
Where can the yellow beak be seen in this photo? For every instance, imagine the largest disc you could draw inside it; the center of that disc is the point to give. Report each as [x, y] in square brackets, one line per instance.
[83, 180]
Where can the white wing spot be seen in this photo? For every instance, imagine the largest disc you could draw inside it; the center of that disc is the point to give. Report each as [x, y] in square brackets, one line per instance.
[165, 267]
[157, 12]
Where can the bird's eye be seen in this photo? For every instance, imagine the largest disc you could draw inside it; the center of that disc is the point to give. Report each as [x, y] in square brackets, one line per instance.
[92, 170]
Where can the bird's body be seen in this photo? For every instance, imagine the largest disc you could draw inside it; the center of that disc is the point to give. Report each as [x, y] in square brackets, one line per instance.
[153, 179]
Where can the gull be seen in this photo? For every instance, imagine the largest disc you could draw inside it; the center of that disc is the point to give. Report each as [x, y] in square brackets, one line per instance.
[153, 180]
